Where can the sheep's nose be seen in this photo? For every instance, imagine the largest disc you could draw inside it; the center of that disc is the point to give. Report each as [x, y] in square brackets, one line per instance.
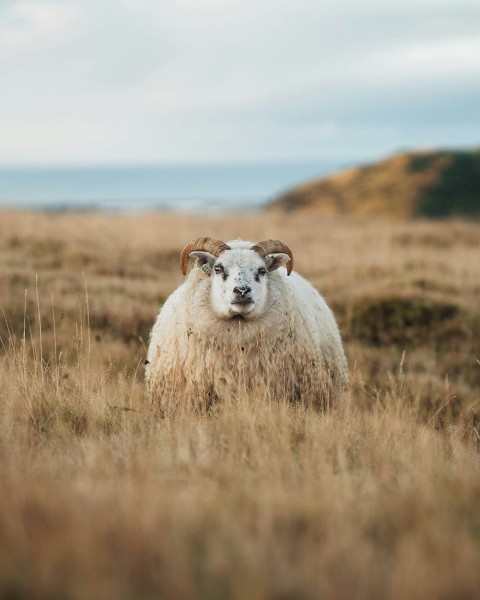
[242, 290]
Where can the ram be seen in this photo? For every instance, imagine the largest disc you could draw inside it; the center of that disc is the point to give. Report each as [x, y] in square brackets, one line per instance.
[241, 324]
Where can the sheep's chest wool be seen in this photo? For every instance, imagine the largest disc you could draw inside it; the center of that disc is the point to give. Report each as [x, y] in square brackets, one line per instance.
[241, 324]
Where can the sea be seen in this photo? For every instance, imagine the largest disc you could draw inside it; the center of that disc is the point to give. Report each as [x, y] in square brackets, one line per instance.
[190, 188]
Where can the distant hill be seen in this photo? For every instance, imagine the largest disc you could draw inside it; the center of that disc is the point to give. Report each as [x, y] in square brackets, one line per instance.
[418, 184]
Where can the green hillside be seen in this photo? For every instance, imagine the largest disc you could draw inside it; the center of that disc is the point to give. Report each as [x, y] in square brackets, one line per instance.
[419, 184]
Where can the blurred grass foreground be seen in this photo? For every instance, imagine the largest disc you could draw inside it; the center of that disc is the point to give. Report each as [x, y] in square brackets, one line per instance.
[101, 498]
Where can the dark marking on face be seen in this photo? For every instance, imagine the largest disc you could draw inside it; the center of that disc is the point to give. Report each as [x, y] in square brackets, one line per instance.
[260, 273]
[218, 268]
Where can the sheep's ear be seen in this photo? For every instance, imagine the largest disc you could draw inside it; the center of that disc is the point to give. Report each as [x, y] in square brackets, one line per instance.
[203, 258]
[273, 261]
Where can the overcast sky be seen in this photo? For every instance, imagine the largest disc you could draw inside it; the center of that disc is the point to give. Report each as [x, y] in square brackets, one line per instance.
[105, 81]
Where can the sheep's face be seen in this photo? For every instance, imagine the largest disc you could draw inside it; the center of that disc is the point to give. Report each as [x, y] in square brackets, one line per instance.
[239, 281]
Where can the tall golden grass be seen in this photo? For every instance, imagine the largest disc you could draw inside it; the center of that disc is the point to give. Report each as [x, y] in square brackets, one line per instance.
[102, 498]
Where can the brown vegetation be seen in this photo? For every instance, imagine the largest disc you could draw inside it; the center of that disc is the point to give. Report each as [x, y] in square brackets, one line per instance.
[429, 184]
[102, 498]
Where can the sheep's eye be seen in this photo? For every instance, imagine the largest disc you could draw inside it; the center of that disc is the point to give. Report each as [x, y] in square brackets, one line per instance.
[262, 271]
[218, 269]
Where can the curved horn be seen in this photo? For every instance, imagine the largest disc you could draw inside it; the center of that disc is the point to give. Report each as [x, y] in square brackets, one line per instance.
[271, 247]
[215, 247]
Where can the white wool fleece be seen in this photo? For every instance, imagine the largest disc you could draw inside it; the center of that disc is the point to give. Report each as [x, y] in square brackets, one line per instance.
[264, 334]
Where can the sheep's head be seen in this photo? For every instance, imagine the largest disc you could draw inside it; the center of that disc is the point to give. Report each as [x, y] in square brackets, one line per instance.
[239, 273]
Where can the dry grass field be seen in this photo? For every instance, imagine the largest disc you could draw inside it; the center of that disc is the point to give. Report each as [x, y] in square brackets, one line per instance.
[101, 498]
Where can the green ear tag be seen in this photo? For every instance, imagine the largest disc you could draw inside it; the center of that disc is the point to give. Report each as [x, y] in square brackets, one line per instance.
[207, 269]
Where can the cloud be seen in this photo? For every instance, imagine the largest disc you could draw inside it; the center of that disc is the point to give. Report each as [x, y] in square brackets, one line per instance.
[26, 23]
[224, 79]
